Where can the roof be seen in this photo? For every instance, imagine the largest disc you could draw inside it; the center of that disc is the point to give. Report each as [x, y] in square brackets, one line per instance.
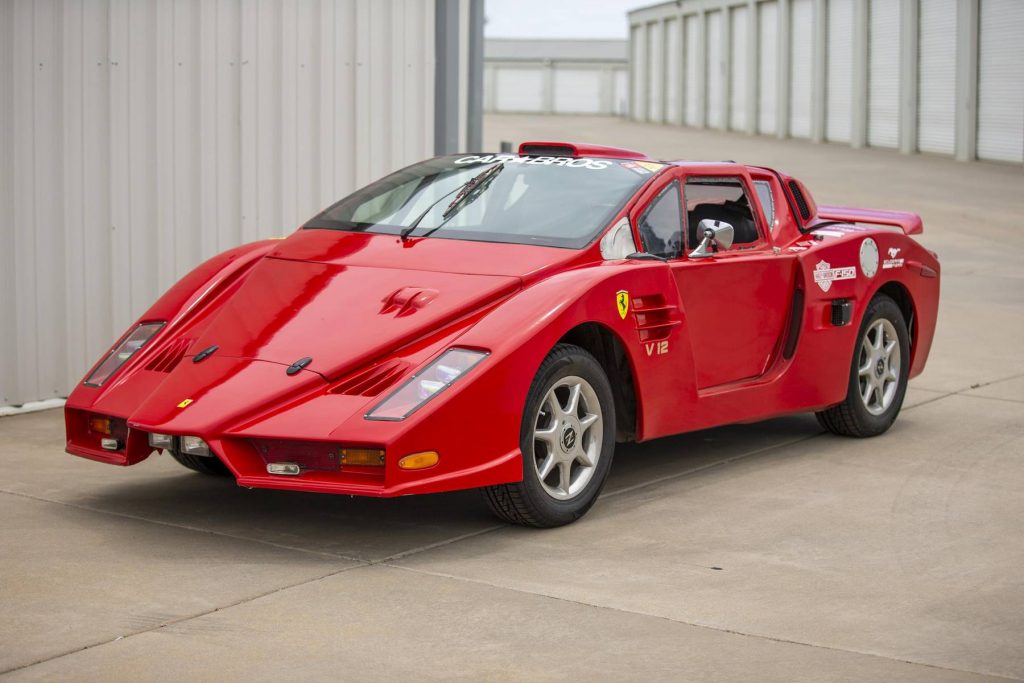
[559, 49]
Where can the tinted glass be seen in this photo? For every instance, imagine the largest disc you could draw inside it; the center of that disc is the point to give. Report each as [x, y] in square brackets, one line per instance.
[720, 199]
[550, 201]
[661, 225]
[767, 199]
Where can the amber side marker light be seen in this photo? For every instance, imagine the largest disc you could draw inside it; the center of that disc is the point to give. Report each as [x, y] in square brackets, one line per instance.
[419, 461]
[99, 425]
[365, 457]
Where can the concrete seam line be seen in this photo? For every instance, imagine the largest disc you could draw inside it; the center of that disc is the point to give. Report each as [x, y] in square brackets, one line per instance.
[683, 622]
[185, 527]
[182, 619]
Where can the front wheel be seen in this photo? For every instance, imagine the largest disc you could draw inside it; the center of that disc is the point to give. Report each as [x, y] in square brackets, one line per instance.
[567, 438]
[878, 374]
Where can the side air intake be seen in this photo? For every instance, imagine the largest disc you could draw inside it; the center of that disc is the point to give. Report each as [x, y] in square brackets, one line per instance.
[801, 201]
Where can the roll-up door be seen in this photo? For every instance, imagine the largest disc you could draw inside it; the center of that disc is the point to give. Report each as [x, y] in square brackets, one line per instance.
[620, 100]
[716, 75]
[692, 99]
[673, 66]
[801, 42]
[839, 76]
[1001, 80]
[655, 73]
[884, 74]
[577, 91]
[519, 90]
[638, 57]
[739, 45]
[936, 84]
[767, 65]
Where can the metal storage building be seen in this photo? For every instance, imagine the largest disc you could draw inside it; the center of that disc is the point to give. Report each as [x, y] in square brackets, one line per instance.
[139, 138]
[942, 76]
[553, 76]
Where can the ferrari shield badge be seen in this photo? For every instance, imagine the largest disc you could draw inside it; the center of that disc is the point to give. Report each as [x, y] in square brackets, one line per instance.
[622, 302]
[185, 403]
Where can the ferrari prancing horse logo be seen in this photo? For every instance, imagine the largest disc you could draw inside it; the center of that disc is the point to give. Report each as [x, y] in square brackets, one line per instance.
[185, 403]
[622, 302]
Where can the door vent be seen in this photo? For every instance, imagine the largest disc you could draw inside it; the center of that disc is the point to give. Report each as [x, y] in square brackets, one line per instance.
[170, 355]
[372, 381]
[654, 317]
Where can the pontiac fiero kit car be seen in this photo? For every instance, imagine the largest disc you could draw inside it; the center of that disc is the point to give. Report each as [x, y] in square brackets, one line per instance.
[501, 321]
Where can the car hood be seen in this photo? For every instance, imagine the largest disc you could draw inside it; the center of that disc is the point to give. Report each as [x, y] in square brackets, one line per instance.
[341, 316]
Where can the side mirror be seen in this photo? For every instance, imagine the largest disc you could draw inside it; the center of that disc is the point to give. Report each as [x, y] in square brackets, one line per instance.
[716, 235]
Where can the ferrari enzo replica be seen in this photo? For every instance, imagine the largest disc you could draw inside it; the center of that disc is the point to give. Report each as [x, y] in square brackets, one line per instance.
[501, 321]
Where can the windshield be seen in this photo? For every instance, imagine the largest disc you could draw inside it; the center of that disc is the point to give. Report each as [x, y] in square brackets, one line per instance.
[549, 201]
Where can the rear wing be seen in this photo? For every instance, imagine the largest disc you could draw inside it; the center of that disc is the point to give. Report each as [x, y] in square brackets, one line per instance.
[909, 223]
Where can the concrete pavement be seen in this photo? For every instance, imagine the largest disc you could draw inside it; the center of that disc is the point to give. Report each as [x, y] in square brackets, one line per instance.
[767, 551]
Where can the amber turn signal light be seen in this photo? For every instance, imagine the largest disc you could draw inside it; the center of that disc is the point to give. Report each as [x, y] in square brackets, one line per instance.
[365, 457]
[419, 461]
[99, 425]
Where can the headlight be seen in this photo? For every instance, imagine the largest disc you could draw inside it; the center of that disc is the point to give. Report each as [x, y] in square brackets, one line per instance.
[193, 445]
[426, 384]
[125, 349]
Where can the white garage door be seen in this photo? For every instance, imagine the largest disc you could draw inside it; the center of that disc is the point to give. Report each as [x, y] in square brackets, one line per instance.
[673, 66]
[884, 74]
[620, 100]
[1001, 81]
[519, 90]
[839, 78]
[740, 45]
[638, 62]
[655, 76]
[936, 112]
[716, 76]
[577, 91]
[767, 65]
[691, 47]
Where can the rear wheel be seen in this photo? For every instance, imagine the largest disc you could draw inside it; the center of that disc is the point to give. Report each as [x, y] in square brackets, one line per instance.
[878, 374]
[567, 438]
[205, 465]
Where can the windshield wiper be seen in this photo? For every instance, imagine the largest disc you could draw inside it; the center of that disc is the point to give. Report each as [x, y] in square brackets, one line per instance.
[467, 193]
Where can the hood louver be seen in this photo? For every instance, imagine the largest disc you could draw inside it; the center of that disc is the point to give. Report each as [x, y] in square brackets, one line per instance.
[372, 381]
[169, 357]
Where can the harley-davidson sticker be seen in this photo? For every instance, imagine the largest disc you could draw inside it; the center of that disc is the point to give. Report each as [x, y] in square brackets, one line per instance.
[622, 302]
[825, 274]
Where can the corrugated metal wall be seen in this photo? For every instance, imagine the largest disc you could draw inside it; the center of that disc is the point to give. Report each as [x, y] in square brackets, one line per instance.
[139, 137]
[914, 75]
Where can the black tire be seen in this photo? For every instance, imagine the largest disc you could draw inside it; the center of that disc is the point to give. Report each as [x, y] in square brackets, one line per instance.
[852, 417]
[528, 503]
[205, 465]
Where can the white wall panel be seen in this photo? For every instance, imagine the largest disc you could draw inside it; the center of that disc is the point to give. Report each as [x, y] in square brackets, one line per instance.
[884, 73]
[717, 74]
[936, 83]
[673, 70]
[577, 91]
[767, 65]
[739, 45]
[800, 93]
[655, 72]
[620, 101]
[638, 62]
[1001, 80]
[839, 74]
[693, 97]
[139, 137]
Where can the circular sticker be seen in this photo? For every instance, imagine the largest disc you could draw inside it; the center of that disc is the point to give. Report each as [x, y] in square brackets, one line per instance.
[869, 257]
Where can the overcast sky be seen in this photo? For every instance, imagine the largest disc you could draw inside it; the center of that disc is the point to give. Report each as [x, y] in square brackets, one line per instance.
[559, 18]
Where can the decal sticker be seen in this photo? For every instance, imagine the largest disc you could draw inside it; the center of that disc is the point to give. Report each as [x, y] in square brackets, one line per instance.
[892, 261]
[650, 166]
[656, 348]
[568, 162]
[622, 302]
[185, 403]
[830, 233]
[635, 167]
[825, 274]
[800, 247]
[869, 257]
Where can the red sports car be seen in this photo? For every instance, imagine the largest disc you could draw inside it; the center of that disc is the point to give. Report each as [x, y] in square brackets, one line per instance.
[501, 321]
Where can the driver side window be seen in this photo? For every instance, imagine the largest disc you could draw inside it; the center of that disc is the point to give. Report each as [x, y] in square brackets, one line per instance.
[722, 199]
[661, 224]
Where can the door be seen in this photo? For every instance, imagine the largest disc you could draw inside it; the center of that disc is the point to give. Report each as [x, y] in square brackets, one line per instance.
[735, 302]
[767, 65]
[884, 73]
[800, 95]
[839, 77]
[739, 44]
[1000, 83]
[936, 77]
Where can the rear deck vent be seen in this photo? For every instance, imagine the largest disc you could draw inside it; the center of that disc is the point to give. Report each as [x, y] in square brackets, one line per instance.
[169, 357]
[801, 202]
[372, 381]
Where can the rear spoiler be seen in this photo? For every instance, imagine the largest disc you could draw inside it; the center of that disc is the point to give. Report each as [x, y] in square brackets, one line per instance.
[909, 223]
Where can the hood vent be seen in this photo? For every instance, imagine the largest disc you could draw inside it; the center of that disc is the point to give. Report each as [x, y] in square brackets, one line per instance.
[372, 381]
[169, 357]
